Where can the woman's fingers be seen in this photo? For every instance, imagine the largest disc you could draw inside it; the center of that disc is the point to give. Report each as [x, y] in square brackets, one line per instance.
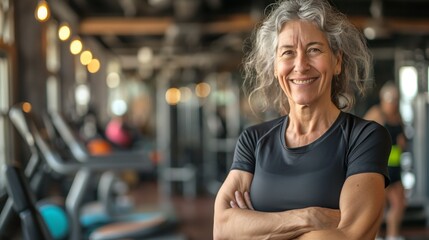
[247, 199]
[240, 200]
[233, 204]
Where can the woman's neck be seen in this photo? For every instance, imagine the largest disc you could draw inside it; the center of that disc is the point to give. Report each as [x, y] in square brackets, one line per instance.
[307, 124]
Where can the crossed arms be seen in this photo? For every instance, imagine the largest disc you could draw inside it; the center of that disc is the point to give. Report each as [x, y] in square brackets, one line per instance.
[359, 216]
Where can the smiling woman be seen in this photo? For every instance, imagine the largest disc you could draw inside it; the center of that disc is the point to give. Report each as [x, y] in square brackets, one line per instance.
[304, 66]
[294, 176]
[342, 37]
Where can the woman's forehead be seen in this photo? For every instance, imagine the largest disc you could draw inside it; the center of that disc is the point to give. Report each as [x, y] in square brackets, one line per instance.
[298, 31]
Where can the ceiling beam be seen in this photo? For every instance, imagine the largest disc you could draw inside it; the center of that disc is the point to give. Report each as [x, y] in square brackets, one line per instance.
[201, 59]
[158, 26]
[124, 26]
[396, 25]
[231, 24]
[234, 23]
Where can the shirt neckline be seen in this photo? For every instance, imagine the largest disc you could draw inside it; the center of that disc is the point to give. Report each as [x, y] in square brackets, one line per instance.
[311, 145]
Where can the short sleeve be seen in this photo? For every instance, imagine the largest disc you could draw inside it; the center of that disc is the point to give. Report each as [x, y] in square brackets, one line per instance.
[369, 151]
[244, 154]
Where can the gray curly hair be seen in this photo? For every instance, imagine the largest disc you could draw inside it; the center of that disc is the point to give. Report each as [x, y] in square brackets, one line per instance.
[259, 81]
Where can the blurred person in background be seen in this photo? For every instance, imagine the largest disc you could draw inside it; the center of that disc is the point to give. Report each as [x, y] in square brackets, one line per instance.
[387, 114]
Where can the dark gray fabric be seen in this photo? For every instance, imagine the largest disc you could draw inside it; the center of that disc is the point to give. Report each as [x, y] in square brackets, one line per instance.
[312, 175]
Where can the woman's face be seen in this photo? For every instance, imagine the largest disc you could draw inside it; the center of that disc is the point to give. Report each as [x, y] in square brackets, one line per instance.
[390, 101]
[305, 64]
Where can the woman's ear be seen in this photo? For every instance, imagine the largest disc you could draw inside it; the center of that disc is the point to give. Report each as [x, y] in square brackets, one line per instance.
[338, 62]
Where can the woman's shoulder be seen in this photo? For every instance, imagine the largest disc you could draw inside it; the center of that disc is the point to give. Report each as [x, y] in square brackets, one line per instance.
[260, 129]
[355, 125]
[267, 125]
[356, 121]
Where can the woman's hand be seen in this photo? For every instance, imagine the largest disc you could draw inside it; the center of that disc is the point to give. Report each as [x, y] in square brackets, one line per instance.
[241, 201]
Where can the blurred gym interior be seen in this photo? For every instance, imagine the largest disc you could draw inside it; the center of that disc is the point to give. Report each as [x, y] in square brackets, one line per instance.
[119, 118]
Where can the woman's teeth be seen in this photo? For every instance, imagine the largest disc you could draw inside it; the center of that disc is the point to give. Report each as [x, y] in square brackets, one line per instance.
[306, 81]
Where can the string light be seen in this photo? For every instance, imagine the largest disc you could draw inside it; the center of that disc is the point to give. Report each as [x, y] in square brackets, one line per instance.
[42, 12]
[172, 96]
[202, 90]
[85, 57]
[64, 32]
[76, 46]
[93, 66]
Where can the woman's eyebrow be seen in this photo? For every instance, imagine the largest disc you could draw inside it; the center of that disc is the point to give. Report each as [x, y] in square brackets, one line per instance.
[286, 46]
[315, 43]
[308, 44]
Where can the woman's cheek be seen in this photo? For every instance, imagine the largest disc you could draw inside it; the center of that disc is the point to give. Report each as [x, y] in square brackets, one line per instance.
[283, 68]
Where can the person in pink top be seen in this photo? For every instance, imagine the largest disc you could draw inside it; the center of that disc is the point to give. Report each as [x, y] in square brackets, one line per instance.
[118, 133]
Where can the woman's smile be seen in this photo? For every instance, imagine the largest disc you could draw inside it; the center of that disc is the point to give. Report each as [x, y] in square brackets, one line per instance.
[303, 80]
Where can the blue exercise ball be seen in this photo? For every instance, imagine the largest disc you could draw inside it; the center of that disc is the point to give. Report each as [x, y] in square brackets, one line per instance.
[56, 220]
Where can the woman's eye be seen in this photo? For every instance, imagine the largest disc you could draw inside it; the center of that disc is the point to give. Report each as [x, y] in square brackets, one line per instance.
[287, 53]
[314, 50]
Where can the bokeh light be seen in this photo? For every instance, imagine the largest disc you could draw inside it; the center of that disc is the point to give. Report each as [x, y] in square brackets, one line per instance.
[85, 57]
[202, 90]
[42, 12]
[94, 66]
[76, 46]
[172, 96]
[64, 32]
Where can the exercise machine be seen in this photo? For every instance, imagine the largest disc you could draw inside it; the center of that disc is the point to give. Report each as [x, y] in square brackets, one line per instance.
[134, 227]
[33, 225]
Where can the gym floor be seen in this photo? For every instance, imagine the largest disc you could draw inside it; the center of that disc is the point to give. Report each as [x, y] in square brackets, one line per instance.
[196, 215]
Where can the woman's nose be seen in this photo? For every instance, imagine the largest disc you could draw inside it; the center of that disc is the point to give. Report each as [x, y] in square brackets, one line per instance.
[301, 63]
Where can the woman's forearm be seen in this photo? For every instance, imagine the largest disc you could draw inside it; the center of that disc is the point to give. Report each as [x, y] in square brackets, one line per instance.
[235, 223]
[234, 219]
[248, 224]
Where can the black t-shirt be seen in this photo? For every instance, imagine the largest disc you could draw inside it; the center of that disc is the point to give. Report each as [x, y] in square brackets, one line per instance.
[395, 130]
[313, 175]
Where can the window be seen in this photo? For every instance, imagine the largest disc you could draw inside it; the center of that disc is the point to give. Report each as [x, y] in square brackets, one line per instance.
[408, 85]
[6, 45]
[4, 106]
